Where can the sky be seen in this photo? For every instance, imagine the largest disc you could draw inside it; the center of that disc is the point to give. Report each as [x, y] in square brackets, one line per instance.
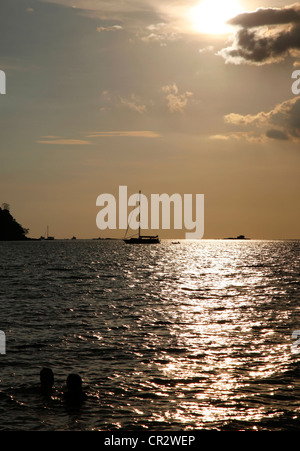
[162, 96]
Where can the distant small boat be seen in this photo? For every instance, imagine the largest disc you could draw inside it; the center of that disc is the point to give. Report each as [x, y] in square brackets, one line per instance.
[240, 237]
[142, 239]
[48, 236]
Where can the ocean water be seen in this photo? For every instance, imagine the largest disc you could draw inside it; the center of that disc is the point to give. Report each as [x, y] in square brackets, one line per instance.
[170, 337]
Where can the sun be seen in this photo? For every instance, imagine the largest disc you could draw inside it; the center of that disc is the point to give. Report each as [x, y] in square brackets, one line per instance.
[211, 16]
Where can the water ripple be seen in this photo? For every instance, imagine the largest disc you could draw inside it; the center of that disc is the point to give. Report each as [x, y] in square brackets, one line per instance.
[201, 330]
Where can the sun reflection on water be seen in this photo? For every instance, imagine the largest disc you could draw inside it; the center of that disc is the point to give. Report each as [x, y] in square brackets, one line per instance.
[195, 335]
[221, 316]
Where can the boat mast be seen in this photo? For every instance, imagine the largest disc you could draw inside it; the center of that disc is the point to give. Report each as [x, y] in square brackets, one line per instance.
[139, 214]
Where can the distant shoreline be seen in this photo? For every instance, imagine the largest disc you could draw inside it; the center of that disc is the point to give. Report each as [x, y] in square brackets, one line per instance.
[178, 240]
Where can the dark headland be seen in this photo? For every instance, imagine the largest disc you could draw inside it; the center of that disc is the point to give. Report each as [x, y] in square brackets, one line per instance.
[10, 229]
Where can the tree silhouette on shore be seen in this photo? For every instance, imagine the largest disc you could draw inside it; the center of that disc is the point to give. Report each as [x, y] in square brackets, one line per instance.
[10, 229]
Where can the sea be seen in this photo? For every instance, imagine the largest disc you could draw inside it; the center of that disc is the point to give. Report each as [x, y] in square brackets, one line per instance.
[180, 336]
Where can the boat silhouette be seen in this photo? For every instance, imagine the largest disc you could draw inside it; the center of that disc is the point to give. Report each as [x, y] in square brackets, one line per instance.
[141, 239]
[47, 237]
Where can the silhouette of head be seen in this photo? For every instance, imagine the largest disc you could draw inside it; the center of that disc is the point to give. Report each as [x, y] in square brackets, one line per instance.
[47, 379]
[74, 383]
[74, 394]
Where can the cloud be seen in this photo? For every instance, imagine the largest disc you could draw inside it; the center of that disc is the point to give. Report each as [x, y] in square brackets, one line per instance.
[220, 137]
[130, 134]
[176, 102]
[281, 123]
[268, 16]
[249, 136]
[50, 137]
[56, 140]
[206, 49]
[110, 28]
[265, 36]
[160, 32]
[133, 103]
[277, 134]
[132, 12]
[111, 100]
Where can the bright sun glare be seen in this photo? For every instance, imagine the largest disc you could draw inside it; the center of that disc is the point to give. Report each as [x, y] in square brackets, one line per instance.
[210, 16]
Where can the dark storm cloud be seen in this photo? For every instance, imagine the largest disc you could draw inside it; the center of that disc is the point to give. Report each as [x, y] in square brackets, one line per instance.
[269, 16]
[277, 134]
[266, 35]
